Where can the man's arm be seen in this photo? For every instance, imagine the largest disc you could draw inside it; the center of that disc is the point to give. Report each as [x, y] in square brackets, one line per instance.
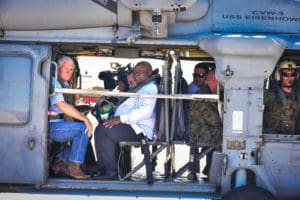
[142, 111]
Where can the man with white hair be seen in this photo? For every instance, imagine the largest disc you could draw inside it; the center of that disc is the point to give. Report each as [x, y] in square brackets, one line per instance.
[63, 128]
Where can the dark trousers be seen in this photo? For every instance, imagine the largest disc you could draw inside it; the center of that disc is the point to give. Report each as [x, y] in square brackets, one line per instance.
[208, 161]
[107, 142]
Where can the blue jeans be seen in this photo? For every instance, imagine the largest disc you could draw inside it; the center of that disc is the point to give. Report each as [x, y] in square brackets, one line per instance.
[74, 131]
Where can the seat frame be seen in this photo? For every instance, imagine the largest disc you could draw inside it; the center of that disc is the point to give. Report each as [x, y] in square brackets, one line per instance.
[162, 146]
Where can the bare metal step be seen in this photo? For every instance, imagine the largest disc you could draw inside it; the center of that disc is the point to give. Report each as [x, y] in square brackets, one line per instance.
[181, 185]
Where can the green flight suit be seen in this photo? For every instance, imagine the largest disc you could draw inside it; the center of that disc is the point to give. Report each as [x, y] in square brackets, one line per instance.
[281, 112]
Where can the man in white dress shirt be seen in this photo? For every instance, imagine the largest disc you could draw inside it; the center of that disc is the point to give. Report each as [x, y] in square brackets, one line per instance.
[133, 117]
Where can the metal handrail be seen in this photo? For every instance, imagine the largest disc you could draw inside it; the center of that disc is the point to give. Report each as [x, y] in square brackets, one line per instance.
[208, 97]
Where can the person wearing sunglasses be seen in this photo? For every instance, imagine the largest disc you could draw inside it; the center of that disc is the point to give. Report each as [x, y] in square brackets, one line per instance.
[204, 122]
[281, 105]
[199, 78]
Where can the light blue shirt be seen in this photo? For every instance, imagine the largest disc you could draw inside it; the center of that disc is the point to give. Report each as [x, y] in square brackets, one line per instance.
[193, 88]
[57, 98]
[139, 112]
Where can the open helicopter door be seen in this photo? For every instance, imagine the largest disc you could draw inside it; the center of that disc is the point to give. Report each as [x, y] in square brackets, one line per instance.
[24, 75]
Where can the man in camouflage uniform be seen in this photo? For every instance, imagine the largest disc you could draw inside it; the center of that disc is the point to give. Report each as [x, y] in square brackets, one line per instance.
[205, 124]
[281, 112]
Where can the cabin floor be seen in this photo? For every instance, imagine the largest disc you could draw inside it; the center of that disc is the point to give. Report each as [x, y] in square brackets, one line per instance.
[181, 187]
[137, 184]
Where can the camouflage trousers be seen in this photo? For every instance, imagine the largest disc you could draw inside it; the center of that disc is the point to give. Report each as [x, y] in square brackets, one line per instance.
[205, 124]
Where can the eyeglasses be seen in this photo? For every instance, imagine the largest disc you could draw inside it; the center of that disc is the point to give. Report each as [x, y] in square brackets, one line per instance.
[285, 74]
[195, 75]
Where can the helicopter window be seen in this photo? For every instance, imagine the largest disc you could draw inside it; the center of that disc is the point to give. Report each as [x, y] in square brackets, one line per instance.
[14, 87]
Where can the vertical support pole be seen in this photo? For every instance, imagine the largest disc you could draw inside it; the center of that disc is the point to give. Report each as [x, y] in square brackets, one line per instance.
[166, 77]
[166, 81]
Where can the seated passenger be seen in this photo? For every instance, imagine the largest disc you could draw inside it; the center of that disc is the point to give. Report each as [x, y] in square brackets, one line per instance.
[133, 118]
[70, 158]
[105, 106]
[123, 84]
[127, 83]
[204, 82]
[205, 126]
[281, 112]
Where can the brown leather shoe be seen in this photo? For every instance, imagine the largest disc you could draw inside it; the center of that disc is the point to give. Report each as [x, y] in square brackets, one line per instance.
[75, 171]
[59, 167]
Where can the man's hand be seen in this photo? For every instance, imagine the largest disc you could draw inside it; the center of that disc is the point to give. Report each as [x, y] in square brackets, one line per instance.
[89, 127]
[110, 123]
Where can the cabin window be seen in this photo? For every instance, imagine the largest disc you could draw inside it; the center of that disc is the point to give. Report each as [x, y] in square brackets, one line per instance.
[15, 92]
